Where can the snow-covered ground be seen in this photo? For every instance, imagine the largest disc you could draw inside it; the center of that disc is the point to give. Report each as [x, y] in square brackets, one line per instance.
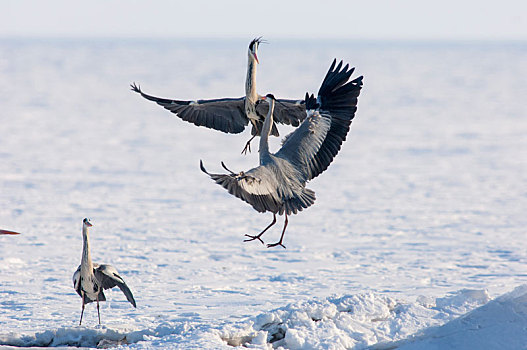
[416, 240]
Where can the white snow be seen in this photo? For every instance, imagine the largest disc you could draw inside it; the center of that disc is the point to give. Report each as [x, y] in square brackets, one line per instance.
[499, 324]
[358, 321]
[416, 240]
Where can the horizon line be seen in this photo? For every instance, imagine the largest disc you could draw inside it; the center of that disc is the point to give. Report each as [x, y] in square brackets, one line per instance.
[508, 40]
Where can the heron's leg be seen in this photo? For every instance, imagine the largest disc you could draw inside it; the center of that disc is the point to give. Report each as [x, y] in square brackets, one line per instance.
[252, 238]
[248, 145]
[281, 237]
[82, 312]
[98, 312]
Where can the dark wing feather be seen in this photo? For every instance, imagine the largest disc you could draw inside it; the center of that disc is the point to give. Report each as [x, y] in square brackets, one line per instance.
[251, 187]
[336, 104]
[76, 281]
[108, 276]
[341, 105]
[223, 114]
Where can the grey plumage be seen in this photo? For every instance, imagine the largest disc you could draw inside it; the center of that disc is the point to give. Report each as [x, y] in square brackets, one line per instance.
[232, 115]
[278, 183]
[108, 277]
[90, 279]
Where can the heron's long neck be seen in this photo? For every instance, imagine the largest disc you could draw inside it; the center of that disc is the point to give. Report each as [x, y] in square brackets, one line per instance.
[250, 82]
[86, 257]
[266, 129]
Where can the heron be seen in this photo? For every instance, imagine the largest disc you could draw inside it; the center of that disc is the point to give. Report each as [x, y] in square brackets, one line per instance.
[91, 279]
[278, 184]
[6, 232]
[232, 115]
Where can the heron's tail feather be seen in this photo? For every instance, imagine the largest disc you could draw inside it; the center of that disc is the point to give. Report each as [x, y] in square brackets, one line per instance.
[88, 300]
[294, 205]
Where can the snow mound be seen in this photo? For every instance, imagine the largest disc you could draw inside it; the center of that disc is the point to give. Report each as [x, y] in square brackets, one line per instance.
[499, 324]
[100, 337]
[466, 319]
[351, 322]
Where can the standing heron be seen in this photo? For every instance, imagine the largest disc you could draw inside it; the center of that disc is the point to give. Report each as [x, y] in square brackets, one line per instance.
[90, 279]
[232, 115]
[278, 184]
[6, 232]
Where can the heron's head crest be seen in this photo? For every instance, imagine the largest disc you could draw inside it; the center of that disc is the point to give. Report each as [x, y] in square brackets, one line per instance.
[253, 46]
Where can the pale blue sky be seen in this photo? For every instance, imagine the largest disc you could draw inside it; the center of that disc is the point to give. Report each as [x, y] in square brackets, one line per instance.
[402, 19]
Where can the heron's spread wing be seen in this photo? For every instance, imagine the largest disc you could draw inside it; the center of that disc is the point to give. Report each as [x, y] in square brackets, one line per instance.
[301, 146]
[290, 112]
[336, 104]
[108, 276]
[223, 114]
[252, 187]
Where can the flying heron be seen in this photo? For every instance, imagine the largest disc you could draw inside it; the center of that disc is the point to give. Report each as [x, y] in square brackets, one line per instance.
[278, 185]
[232, 115]
[90, 279]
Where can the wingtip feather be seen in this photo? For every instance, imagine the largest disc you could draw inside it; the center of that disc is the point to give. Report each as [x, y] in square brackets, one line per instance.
[135, 87]
[202, 167]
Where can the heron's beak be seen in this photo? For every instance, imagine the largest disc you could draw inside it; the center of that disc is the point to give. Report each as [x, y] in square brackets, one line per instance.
[256, 58]
[5, 232]
[89, 224]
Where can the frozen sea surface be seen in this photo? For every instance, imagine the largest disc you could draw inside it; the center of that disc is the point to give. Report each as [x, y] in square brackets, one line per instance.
[419, 223]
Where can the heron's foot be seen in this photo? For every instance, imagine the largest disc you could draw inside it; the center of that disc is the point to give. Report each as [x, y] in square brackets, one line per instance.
[247, 147]
[276, 244]
[252, 238]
